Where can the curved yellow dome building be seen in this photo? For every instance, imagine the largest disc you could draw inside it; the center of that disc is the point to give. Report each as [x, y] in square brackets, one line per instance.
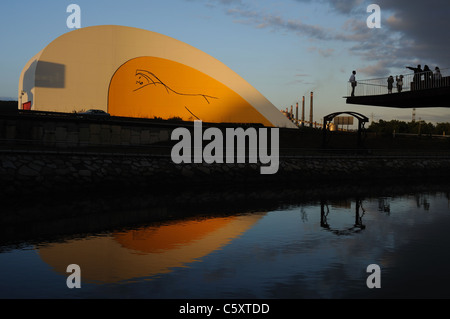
[132, 72]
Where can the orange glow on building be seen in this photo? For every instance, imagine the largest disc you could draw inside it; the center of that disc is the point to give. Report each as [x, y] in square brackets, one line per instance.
[149, 87]
[138, 73]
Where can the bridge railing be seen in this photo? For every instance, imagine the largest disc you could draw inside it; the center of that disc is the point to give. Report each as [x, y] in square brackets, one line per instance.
[401, 83]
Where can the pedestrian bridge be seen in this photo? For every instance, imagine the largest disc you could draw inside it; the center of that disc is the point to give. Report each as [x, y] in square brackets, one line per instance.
[419, 90]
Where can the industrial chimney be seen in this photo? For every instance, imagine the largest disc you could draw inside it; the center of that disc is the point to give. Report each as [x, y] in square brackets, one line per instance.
[311, 111]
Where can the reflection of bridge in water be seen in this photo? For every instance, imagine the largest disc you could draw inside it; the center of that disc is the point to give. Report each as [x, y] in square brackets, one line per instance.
[418, 90]
[357, 226]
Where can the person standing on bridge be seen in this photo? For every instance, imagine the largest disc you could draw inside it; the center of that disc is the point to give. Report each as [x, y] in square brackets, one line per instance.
[437, 76]
[353, 82]
[390, 82]
[437, 73]
[417, 75]
[399, 80]
[428, 76]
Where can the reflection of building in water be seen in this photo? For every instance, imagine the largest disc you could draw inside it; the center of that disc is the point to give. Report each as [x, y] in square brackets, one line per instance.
[384, 205]
[148, 251]
[357, 226]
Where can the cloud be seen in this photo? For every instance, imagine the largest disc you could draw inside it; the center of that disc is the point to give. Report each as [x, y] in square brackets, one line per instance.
[322, 52]
[301, 78]
[412, 31]
[424, 25]
[264, 20]
[381, 68]
[340, 6]
[345, 6]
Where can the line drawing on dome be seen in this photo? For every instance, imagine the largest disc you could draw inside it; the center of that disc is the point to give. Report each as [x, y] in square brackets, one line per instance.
[146, 78]
[192, 113]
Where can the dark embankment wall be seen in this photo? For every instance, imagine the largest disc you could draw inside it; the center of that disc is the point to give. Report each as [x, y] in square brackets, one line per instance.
[33, 173]
[61, 153]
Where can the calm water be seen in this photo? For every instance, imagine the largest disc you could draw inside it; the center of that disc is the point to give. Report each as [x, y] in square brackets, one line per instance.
[318, 248]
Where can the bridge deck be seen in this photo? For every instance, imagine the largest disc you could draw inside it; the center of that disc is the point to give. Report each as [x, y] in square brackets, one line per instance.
[415, 90]
[425, 98]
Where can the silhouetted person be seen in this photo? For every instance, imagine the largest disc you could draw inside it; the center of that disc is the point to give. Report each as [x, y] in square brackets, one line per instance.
[399, 80]
[437, 76]
[417, 75]
[353, 82]
[428, 76]
[390, 82]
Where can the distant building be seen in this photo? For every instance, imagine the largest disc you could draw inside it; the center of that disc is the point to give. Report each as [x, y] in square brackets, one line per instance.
[138, 73]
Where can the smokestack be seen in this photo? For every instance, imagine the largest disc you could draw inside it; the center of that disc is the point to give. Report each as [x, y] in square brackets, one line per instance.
[296, 114]
[311, 111]
[303, 112]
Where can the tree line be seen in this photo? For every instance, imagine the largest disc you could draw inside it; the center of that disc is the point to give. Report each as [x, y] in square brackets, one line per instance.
[413, 127]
